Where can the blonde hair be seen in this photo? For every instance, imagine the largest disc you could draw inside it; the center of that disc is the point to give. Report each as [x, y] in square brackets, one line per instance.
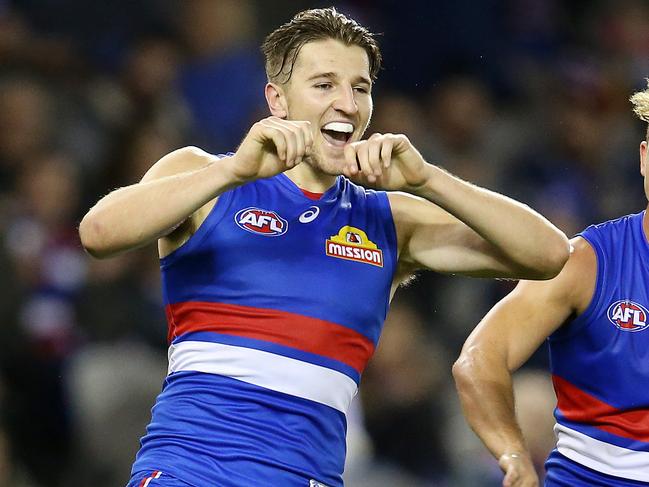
[640, 102]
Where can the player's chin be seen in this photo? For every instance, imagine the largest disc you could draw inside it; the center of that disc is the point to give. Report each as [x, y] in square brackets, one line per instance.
[332, 168]
[330, 162]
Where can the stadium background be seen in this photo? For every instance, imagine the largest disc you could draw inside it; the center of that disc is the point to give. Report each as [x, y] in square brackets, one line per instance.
[528, 97]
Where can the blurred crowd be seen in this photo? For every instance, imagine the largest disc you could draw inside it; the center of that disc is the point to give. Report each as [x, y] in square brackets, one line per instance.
[527, 97]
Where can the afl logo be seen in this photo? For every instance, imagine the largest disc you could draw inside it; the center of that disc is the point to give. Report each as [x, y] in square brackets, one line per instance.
[261, 222]
[628, 316]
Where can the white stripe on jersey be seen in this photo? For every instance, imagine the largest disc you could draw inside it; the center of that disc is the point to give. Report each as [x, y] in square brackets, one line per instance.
[603, 457]
[265, 369]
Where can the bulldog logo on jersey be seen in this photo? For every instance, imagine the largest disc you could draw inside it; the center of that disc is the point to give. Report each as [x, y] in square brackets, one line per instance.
[628, 315]
[262, 222]
[351, 243]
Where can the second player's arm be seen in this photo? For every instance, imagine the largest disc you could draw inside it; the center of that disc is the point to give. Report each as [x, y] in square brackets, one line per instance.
[502, 342]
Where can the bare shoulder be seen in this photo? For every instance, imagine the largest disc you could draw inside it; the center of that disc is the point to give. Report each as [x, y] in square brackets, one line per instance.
[181, 160]
[575, 284]
[185, 159]
[523, 319]
[583, 273]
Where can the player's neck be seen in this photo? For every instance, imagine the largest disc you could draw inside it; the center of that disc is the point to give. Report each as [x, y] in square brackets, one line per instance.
[307, 177]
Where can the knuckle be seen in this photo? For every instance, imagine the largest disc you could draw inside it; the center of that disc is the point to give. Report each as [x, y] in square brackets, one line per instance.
[260, 126]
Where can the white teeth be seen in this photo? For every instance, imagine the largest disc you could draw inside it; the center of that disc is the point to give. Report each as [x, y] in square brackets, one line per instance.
[339, 127]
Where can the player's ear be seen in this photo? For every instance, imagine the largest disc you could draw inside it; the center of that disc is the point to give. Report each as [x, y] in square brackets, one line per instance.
[276, 100]
[644, 154]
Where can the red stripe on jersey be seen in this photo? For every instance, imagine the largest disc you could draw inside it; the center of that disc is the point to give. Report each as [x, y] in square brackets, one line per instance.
[289, 329]
[579, 406]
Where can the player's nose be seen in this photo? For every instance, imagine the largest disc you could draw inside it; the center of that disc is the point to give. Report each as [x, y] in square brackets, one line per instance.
[346, 100]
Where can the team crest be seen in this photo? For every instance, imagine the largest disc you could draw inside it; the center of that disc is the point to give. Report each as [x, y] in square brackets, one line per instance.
[352, 243]
[628, 315]
[261, 222]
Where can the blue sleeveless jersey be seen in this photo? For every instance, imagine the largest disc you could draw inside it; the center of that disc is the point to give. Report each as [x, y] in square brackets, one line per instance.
[600, 361]
[274, 306]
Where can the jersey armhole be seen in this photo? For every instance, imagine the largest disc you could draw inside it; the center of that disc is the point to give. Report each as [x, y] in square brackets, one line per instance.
[391, 231]
[391, 238]
[580, 322]
[213, 218]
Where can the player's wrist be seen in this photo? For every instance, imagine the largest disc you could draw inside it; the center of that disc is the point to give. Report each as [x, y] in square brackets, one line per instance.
[519, 454]
[426, 187]
[230, 169]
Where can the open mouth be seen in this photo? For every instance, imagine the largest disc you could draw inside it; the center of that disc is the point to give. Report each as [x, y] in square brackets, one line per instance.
[337, 133]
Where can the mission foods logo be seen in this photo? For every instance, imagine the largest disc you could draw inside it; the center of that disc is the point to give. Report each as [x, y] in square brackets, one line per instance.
[628, 315]
[352, 243]
[261, 222]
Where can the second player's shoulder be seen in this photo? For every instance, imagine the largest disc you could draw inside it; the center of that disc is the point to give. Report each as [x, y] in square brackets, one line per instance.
[574, 285]
[582, 261]
[610, 233]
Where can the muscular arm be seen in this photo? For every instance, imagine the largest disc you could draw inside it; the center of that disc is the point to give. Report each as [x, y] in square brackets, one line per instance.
[455, 227]
[185, 181]
[505, 339]
[171, 191]
[449, 225]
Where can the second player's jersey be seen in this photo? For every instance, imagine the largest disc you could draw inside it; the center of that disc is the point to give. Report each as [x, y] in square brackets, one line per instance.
[600, 361]
[274, 305]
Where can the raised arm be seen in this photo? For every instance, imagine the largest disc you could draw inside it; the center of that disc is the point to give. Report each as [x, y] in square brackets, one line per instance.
[502, 342]
[172, 190]
[449, 225]
[183, 182]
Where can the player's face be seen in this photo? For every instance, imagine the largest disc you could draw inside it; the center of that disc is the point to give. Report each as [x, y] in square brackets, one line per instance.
[330, 87]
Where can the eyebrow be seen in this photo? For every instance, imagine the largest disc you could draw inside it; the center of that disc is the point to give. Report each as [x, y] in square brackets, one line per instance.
[333, 76]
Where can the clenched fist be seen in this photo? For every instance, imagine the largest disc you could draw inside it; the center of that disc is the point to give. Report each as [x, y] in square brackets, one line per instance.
[386, 161]
[272, 146]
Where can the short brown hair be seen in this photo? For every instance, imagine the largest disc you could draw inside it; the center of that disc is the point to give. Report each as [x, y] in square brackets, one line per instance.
[283, 45]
